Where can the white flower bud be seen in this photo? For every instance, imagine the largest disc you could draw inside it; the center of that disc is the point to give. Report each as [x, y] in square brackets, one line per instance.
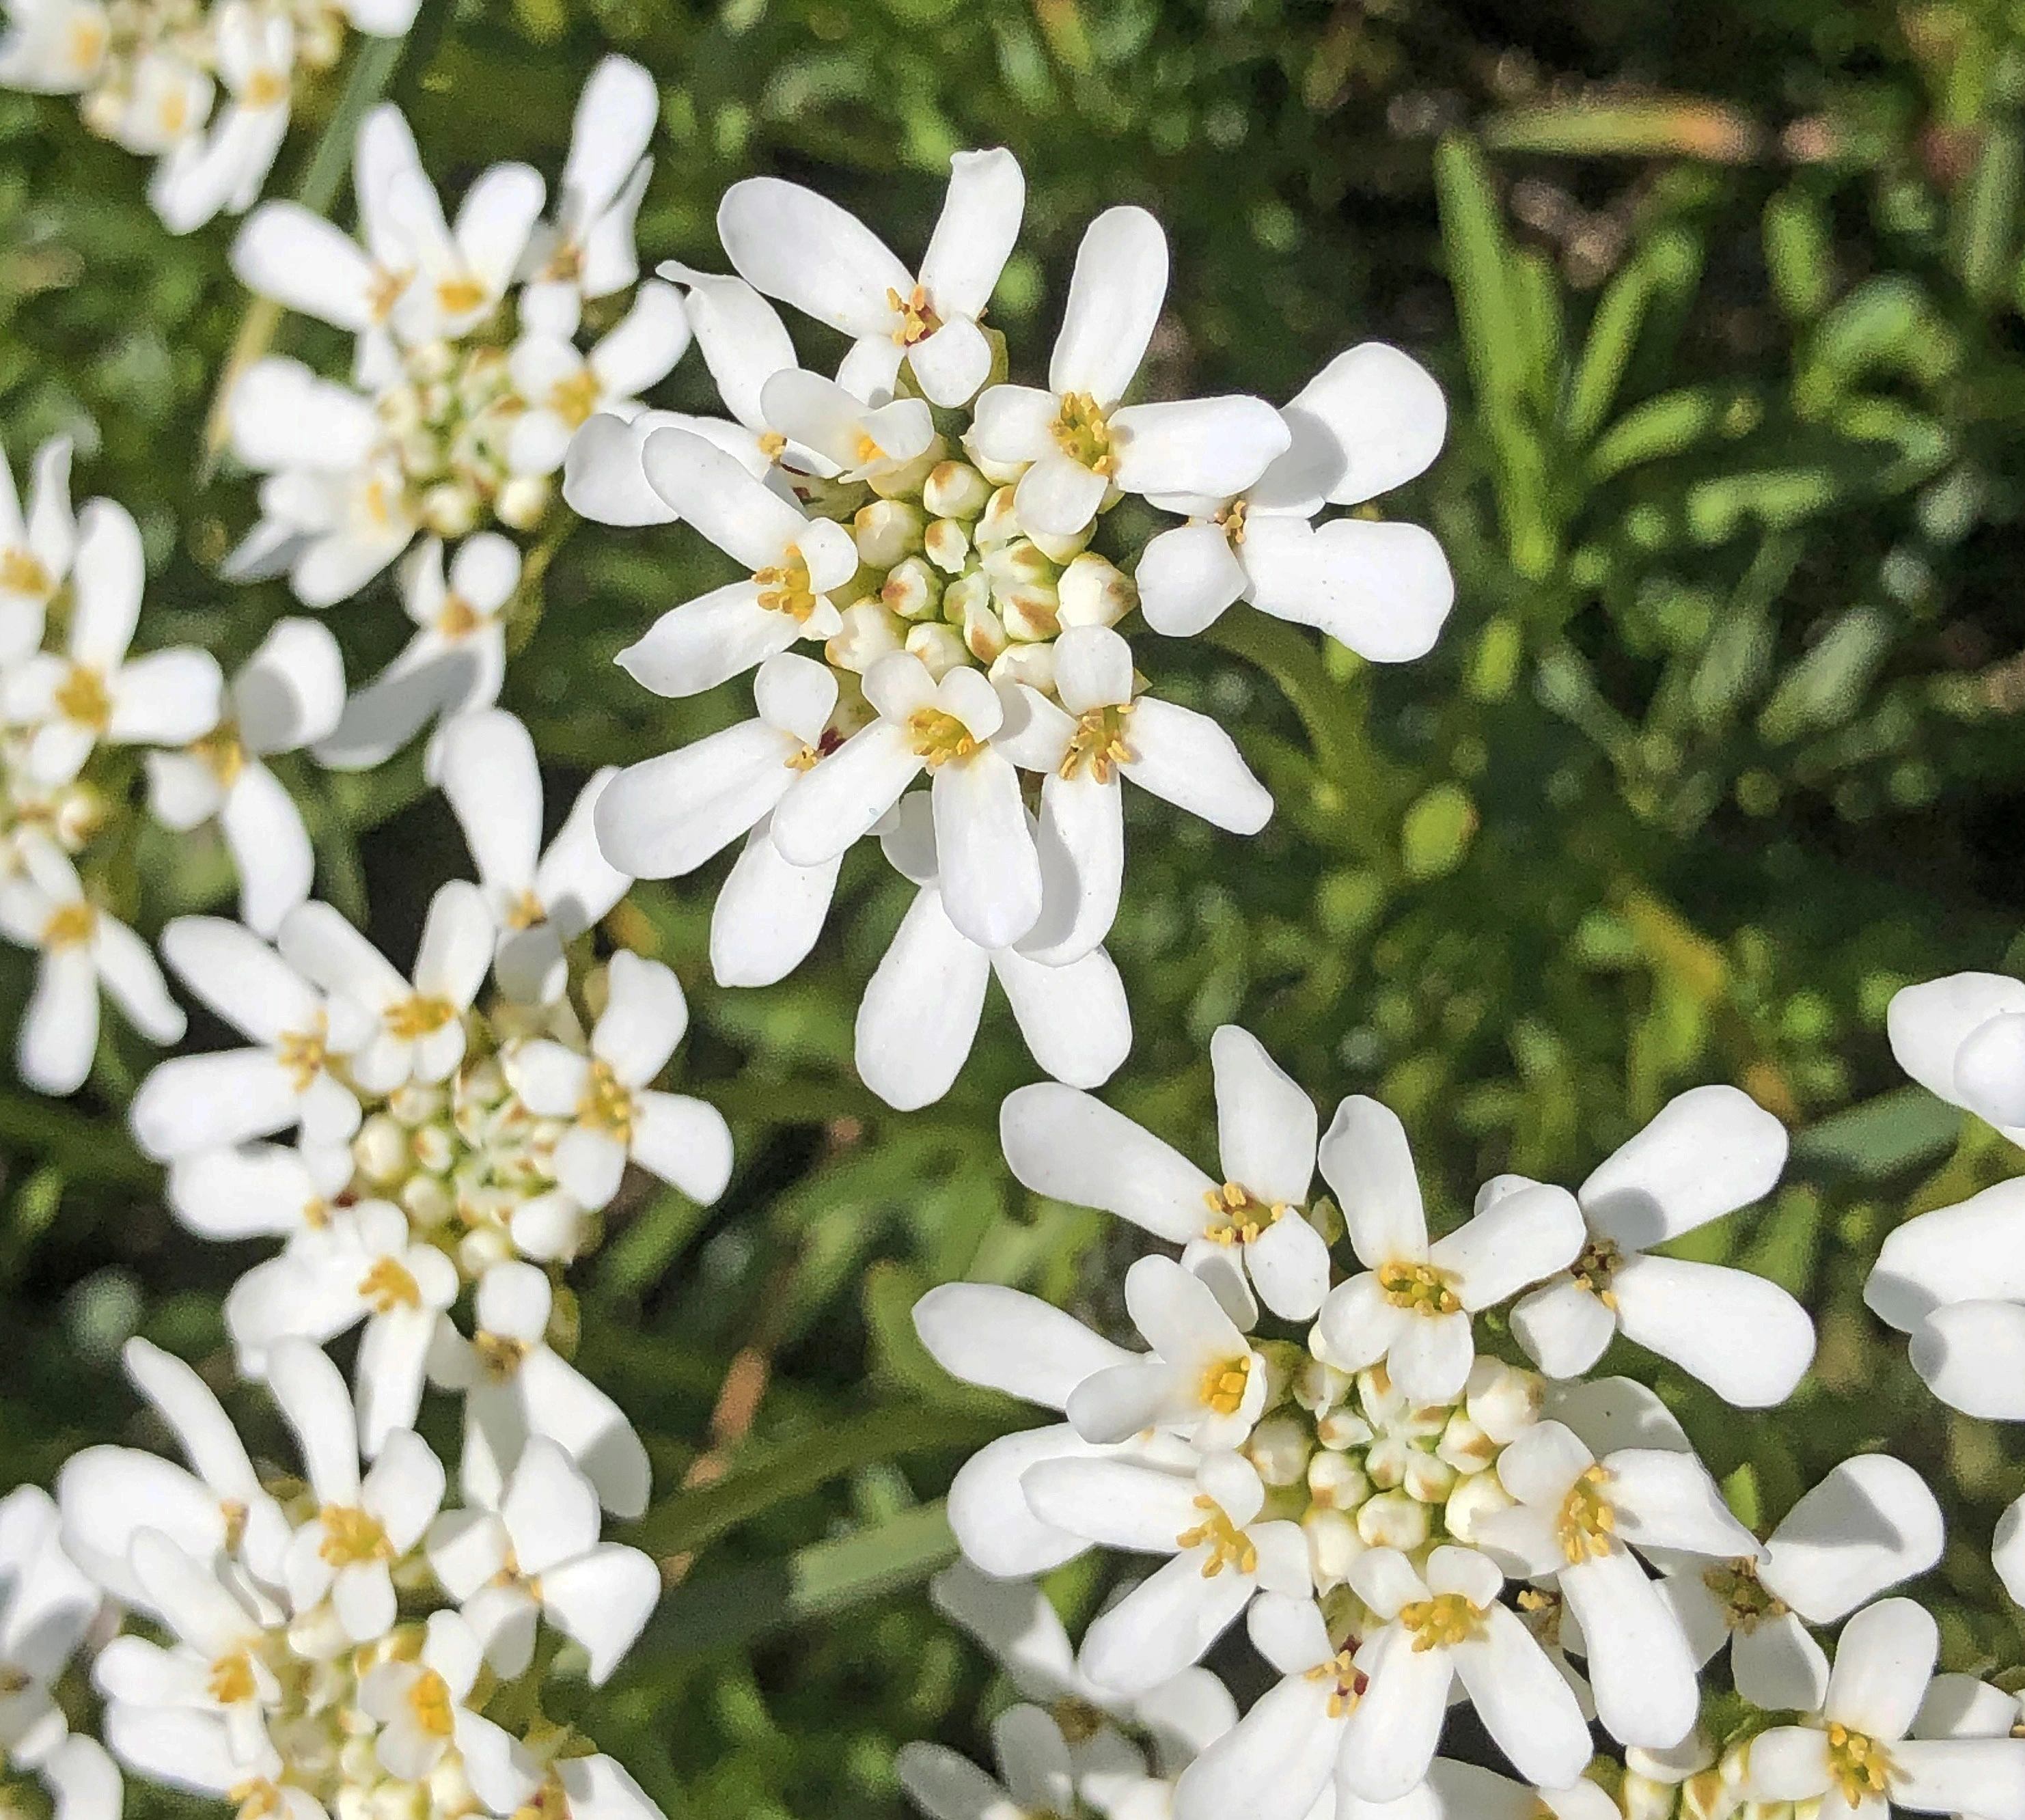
[478, 1251]
[983, 634]
[523, 502]
[1427, 1478]
[450, 509]
[1095, 592]
[938, 646]
[381, 1149]
[998, 522]
[1464, 1446]
[1028, 612]
[869, 632]
[427, 1200]
[414, 1104]
[1336, 1480]
[1502, 1400]
[1394, 1520]
[1279, 1448]
[1333, 1545]
[955, 489]
[998, 473]
[1032, 664]
[885, 531]
[1479, 1495]
[947, 545]
[1060, 550]
[1343, 1428]
[433, 1147]
[1318, 1387]
[913, 589]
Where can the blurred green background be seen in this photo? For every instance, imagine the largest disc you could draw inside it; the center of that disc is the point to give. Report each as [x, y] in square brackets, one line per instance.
[1720, 747]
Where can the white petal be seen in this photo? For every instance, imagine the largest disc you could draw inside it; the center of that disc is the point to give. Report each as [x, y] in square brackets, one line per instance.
[301, 261]
[1884, 1660]
[488, 772]
[1366, 1160]
[1778, 1667]
[603, 1599]
[167, 698]
[1187, 577]
[1929, 1023]
[1057, 496]
[1383, 412]
[1075, 1018]
[989, 1516]
[1117, 1502]
[457, 944]
[768, 913]
[1564, 1328]
[1065, 1145]
[837, 802]
[1163, 1624]
[1081, 842]
[747, 520]
[1667, 1500]
[1981, 1776]
[801, 248]
[1212, 447]
[1384, 589]
[952, 362]
[1972, 1357]
[1266, 1124]
[59, 1031]
[1392, 1731]
[744, 341]
[683, 1141]
[1745, 1338]
[193, 1103]
[1188, 760]
[271, 847]
[1001, 1340]
[1709, 1151]
[1275, 1762]
[991, 871]
[1516, 1242]
[1115, 292]
[666, 817]
[604, 478]
[313, 1399]
[919, 1015]
[1933, 1259]
[291, 691]
[975, 233]
[1640, 1667]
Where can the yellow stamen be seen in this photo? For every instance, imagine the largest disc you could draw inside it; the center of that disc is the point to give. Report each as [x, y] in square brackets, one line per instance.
[938, 736]
[867, 452]
[500, 1355]
[390, 1284]
[418, 1017]
[917, 321]
[1237, 1216]
[1587, 1522]
[1350, 1681]
[1859, 1766]
[1099, 743]
[526, 912]
[1442, 1622]
[1223, 1384]
[772, 445]
[606, 1103]
[1082, 432]
[458, 297]
[22, 572]
[1227, 1544]
[302, 1056]
[265, 88]
[1421, 1289]
[70, 927]
[786, 589]
[221, 753]
[385, 290]
[352, 1537]
[1596, 1263]
[429, 1701]
[573, 399]
[1232, 519]
[1746, 1602]
[231, 1680]
[457, 618]
[83, 697]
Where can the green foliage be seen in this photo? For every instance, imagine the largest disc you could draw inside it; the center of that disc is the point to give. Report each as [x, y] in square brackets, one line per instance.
[1717, 749]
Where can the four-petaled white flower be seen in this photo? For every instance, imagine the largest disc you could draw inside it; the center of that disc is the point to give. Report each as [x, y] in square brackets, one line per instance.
[1577, 1518]
[1855, 1754]
[35, 549]
[422, 1714]
[93, 693]
[221, 169]
[541, 901]
[288, 694]
[46, 1606]
[1079, 445]
[849, 438]
[1065, 1145]
[801, 248]
[539, 1556]
[1224, 1554]
[1412, 1305]
[1709, 1151]
[564, 388]
[1369, 421]
[454, 664]
[82, 948]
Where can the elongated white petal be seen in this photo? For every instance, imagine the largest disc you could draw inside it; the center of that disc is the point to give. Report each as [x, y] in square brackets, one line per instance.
[1955, 1253]
[1884, 1660]
[1710, 1151]
[1972, 1357]
[1075, 1019]
[667, 817]
[1366, 1160]
[1064, 1144]
[1002, 1340]
[1163, 1624]
[1745, 1338]
[1211, 447]
[991, 871]
[801, 248]
[1188, 760]
[919, 1015]
[1639, 1666]
[1115, 292]
[1187, 577]
[768, 913]
[837, 802]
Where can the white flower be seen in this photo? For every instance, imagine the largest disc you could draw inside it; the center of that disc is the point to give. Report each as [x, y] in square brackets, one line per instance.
[82, 1781]
[288, 694]
[422, 1714]
[217, 1508]
[82, 949]
[1413, 1304]
[988, 865]
[587, 250]
[1369, 421]
[1099, 736]
[793, 560]
[166, 99]
[194, 1103]
[563, 388]
[849, 438]
[360, 1524]
[744, 343]
[363, 1265]
[1577, 1518]
[999, 1339]
[334, 506]
[1080, 443]
[517, 1387]
[222, 169]
[1223, 1554]
[454, 664]
[919, 1013]
[53, 46]
[35, 550]
[257, 1190]
[1709, 1151]
[46, 1604]
[541, 901]
[414, 1029]
[613, 1114]
[1962, 1039]
[538, 1555]
[1033, 1762]
[1868, 1525]
[461, 275]
[1067, 1145]
[800, 247]
[93, 693]
[1854, 1755]
[1204, 1379]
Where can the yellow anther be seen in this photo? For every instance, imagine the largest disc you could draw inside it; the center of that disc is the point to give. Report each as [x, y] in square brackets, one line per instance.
[70, 927]
[1859, 1766]
[88, 39]
[1349, 1681]
[1227, 1543]
[786, 589]
[573, 399]
[221, 752]
[1223, 1384]
[1077, 1720]
[867, 452]
[1594, 1267]
[1099, 743]
[173, 113]
[1587, 1521]
[803, 759]
[83, 697]
[235, 1512]
[302, 1056]
[1420, 1289]
[257, 1798]
[606, 1103]
[1082, 432]
[917, 321]
[1232, 520]
[457, 618]
[429, 1701]
[352, 1537]
[1442, 1622]
[231, 1680]
[22, 572]
[457, 296]
[390, 1284]
[265, 88]
[1746, 1600]
[384, 290]
[1237, 1216]
[418, 1015]
[499, 1355]
[938, 737]
[773, 445]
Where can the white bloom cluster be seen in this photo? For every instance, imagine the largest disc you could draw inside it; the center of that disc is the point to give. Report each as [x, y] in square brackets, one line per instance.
[149, 73]
[935, 533]
[339, 1643]
[468, 383]
[1403, 1521]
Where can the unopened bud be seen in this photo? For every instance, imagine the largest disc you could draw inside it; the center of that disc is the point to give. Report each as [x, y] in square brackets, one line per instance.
[983, 635]
[1394, 1520]
[938, 646]
[1479, 1495]
[1094, 591]
[1333, 1545]
[905, 482]
[913, 589]
[523, 500]
[1028, 611]
[1060, 549]
[869, 632]
[1343, 1427]
[955, 489]
[887, 531]
[998, 473]
[1032, 664]
[1278, 1447]
[998, 522]
[379, 1150]
[427, 1200]
[948, 546]
[433, 1148]
[450, 510]
[479, 1249]
[1336, 1480]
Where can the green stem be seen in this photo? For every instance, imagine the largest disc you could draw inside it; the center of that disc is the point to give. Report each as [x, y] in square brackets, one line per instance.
[78, 1146]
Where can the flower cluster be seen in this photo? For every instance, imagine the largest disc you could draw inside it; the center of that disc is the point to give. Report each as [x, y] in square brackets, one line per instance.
[148, 74]
[468, 383]
[1402, 1519]
[927, 594]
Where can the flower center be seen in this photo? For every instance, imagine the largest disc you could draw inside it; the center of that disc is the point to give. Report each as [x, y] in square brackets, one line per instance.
[1078, 1721]
[1082, 432]
[390, 1284]
[1223, 1384]
[1232, 520]
[352, 1537]
[786, 589]
[458, 297]
[1859, 1766]
[418, 1015]
[83, 697]
[13, 1680]
[1587, 1521]
[22, 572]
[70, 927]
[219, 751]
[429, 1701]
[938, 737]
[499, 1353]
[384, 292]
[457, 618]
[1237, 1216]
[1595, 1266]
[1350, 1681]
[526, 912]
[1420, 1288]
[1099, 742]
[606, 1103]
[1442, 1622]
[867, 452]
[918, 320]
[235, 1512]
[573, 399]
[1746, 1602]
[265, 88]
[1227, 1544]
[1541, 1613]
[301, 1055]
[231, 1680]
